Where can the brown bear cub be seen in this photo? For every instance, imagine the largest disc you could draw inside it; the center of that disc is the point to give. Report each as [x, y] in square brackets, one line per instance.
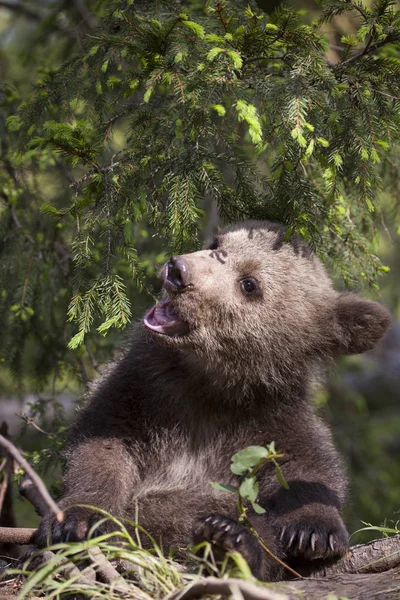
[222, 362]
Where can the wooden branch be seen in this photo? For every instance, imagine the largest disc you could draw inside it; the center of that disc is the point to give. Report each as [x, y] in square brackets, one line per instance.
[226, 587]
[16, 535]
[17, 456]
[374, 557]
[4, 484]
[371, 586]
[105, 570]
[29, 491]
[67, 570]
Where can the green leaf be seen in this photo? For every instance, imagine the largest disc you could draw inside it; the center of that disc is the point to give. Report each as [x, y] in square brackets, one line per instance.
[257, 508]
[249, 489]
[280, 475]
[224, 488]
[247, 458]
[236, 468]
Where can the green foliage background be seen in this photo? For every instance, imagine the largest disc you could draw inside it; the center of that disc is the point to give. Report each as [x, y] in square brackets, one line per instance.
[128, 129]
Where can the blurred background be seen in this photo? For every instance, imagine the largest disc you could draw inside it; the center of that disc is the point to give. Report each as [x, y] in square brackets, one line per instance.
[362, 400]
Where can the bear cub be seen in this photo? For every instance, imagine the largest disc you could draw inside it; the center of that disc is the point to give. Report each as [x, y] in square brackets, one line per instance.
[223, 361]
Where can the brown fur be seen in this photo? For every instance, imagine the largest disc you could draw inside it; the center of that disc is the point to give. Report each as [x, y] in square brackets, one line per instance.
[168, 417]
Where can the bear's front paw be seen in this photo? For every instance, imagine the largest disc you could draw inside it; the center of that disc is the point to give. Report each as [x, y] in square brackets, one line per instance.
[75, 527]
[319, 538]
[227, 535]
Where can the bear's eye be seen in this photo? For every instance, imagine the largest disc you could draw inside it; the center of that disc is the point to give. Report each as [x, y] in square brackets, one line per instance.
[249, 286]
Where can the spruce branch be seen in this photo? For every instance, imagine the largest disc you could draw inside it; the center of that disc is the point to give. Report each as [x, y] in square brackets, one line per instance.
[368, 49]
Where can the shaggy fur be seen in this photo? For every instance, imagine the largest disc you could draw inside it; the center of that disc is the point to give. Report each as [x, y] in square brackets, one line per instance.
[168, 417]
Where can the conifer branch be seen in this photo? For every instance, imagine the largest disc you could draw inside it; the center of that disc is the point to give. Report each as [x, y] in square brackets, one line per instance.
[368, 49]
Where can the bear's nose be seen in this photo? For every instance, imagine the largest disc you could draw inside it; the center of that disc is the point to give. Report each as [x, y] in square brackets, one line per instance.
[177, 274]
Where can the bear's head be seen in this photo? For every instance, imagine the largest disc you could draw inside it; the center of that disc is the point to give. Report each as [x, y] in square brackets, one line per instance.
[257, 306]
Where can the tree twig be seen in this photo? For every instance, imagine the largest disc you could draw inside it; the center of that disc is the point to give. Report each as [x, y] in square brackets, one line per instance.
[29, 491]
[17, 456]
[4, 483]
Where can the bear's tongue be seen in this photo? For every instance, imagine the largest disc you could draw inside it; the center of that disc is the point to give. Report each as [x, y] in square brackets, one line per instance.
[163, 318]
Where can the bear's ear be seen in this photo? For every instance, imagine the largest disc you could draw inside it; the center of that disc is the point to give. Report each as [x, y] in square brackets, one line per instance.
[360, 323]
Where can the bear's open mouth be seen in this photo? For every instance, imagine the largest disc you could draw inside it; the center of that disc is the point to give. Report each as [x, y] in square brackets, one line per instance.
[164, 319]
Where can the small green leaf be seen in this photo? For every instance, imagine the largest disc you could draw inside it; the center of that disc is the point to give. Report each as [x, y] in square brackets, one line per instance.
[237, 468]
[249, 489]
[224, 488]
[279, 475]
[257, 508]
[250, 456]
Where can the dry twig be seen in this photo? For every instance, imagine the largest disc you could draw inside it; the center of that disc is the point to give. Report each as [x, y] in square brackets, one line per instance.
[226, 587]
[17, 456]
